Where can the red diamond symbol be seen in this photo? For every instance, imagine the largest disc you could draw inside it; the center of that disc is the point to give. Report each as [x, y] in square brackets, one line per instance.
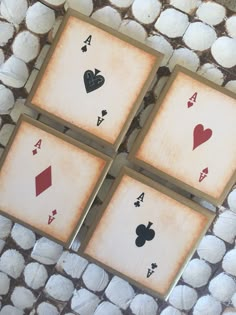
[43, 181]
[34, 151]
[54, 212]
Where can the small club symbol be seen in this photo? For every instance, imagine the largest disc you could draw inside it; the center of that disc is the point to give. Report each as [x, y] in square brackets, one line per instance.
[145, 233]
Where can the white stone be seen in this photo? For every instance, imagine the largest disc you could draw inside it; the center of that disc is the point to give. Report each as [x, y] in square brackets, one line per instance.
[4, 283]
[46, 251]
[225, 226]
[234, 299]
[187, 6]
[2, 244]
[160, 86]
[107, 308]
[23, 237]
[14, 72]
[2, 57]
[197, 273]
[6, 32]
[84, 302]
[183, 297]
[108, 16]
[212, 73]
[95, 278]
[223, 51]
[184, 57]
[200, 201]
[72, 264]
[232, 196]
[6, 100]
[14, 11]
[59, 287]
[122, 3]
[159, 43]
[35, 275]
[229, 311]
[210, 12]
[230, 26]
[170, 311]
[5, 133]
[41, 57]
[26, 46]
[20, 108]
[22, 298]
[199, 36]
[10, 310]
[144, 304]
[172, 23]
[54, 3]
[207, 305]
[133, 29]
[40, 18]
[146, 11]
[211, 248]
[120, 292]
[231, 85]
[229, 262]
[83, 6]
[5, 227]
[222, 287]
[45, 308]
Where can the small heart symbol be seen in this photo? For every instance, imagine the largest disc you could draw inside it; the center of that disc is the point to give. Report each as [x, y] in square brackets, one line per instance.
[200, 135]
[190, 104]
[93, 81]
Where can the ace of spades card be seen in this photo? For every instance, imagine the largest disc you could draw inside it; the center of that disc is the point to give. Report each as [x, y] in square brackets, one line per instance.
[189, 139]
[94, 79]
[146, 233]
[48, 181]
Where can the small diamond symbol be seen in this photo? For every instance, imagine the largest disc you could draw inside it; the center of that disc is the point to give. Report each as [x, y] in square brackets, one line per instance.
[35, 151]
[43, 181]
[54, 212]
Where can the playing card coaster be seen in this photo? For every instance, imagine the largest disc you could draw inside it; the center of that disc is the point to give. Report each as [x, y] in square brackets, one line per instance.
[48, 180]
[189, 139]
[94, 79]
[146, 233]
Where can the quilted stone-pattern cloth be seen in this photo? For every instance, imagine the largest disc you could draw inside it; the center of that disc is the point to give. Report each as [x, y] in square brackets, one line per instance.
[40, 277]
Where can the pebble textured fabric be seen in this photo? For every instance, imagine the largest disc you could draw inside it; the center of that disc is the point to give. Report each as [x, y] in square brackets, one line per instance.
[40, 277]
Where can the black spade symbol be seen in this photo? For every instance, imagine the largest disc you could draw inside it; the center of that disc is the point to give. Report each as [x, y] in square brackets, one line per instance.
[92, 80]
[145, 233]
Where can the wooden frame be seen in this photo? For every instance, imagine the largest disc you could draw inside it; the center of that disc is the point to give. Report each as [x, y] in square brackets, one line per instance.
[35, 201]
[186, 100]
[110, 242]
[59, 90]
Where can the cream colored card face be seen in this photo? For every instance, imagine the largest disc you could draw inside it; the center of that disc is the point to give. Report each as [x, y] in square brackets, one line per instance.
[190, 138]
[146, 233]
[94, 79]
[48, 181]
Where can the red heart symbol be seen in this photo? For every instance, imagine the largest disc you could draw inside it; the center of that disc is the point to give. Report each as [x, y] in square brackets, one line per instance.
[200, 135]
[190, 104]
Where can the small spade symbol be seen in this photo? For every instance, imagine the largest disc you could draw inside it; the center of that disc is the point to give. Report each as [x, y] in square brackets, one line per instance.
[145, 233]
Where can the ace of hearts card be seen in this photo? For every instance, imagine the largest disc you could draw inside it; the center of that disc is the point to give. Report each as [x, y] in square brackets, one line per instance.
[94, 79]
[48, 180]
[189, 139]
[146, 233]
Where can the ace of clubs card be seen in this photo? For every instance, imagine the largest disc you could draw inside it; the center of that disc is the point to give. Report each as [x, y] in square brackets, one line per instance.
[94, 79]
[190, 137]
[48, 181]
[146, 233]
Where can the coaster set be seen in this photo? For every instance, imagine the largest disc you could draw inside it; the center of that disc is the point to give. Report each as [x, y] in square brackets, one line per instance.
[93, 81]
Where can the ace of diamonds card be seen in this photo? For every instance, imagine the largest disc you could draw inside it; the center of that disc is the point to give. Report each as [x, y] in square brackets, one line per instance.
[94, 79]
[48, 181]
[190, 137]
[146, 233]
